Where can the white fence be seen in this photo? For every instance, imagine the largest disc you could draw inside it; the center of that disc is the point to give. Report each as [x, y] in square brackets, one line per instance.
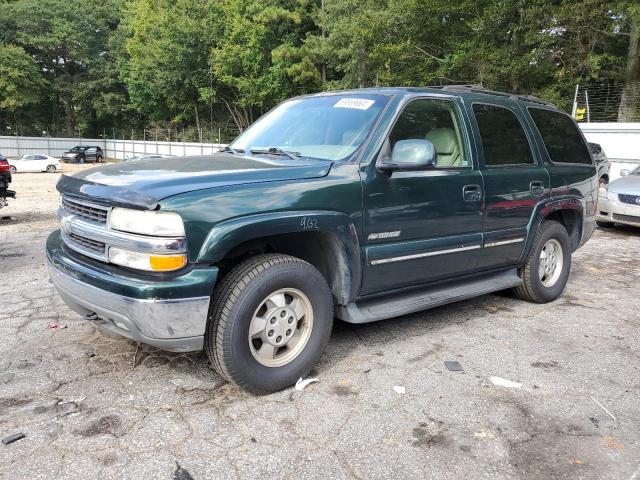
[620, 141]
[119, 149]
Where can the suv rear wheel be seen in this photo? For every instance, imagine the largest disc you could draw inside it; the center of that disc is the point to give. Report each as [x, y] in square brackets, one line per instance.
[269, 321]
[547, 268]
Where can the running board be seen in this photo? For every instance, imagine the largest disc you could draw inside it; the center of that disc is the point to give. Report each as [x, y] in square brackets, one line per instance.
[402, 304]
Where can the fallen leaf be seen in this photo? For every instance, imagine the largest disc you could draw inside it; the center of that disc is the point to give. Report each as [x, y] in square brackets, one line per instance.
[613, 443]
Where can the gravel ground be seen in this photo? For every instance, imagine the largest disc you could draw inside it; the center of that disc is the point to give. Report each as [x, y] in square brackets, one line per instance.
[92, 405]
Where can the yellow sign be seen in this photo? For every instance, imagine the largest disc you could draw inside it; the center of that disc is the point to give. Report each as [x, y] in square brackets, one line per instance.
[580, 112]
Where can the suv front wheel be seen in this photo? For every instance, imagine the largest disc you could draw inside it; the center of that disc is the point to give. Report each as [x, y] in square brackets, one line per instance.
[547, 268]
[269, 321]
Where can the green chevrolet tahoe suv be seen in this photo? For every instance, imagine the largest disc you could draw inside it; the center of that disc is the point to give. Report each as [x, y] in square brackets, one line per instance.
[358, 205]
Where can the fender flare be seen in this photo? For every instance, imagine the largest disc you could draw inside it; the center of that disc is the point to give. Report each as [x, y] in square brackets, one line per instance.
[544, 209]
[226, 235]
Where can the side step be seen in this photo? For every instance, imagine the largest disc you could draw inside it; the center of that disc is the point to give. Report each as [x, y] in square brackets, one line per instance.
[404, 303]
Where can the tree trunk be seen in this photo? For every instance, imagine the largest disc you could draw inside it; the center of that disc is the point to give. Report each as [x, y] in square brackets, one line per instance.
[70, 116]
[195, 109]
[630, 100]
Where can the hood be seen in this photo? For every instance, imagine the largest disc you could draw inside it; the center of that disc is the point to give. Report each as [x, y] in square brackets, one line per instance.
[144, 183]
[629, 184]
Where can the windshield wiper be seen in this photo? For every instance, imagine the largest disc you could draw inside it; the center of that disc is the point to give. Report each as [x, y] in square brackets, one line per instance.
[275, 151]
[230, 150]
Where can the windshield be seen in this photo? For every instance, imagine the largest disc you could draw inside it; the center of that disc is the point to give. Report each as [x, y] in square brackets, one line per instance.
[77, 149]
[329, 127]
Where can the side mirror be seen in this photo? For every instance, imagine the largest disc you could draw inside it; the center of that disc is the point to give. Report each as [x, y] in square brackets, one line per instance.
[410, 155]
[624, 172]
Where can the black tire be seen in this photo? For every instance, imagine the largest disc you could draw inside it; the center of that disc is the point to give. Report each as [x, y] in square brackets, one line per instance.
[51, 169]
[13, 169]
[532, 289]
[605, 224]
[233, 305]
[81, 160]
[98, 159]
[602, 182]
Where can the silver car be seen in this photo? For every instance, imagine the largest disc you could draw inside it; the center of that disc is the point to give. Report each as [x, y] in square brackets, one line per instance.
[619, 201]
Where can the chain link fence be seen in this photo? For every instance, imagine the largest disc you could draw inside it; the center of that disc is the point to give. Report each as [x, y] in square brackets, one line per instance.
[607, 102]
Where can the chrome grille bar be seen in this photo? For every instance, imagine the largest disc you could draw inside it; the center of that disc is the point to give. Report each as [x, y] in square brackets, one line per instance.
[86, 210]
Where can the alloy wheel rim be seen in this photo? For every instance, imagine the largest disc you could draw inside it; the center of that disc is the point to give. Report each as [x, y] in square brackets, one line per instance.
[281, 327]
[551, 263]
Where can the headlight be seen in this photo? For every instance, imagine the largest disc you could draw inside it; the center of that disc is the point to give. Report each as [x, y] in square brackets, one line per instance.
[160, 224]
[603, 191]
[145, 261]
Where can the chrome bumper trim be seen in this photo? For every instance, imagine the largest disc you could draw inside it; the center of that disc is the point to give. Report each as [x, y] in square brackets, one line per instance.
[503, 242]
[170, 324]
[422, 255]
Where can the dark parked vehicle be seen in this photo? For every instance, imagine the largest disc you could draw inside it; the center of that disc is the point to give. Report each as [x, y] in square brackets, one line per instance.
[5, 180]
[602, 163]
[82, 154]
[363, 205]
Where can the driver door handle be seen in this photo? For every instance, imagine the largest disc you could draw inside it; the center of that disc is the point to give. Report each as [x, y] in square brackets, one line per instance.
[536, 187]
[472, 193]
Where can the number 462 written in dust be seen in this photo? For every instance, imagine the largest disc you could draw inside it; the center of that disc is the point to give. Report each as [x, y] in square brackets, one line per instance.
[309, 223]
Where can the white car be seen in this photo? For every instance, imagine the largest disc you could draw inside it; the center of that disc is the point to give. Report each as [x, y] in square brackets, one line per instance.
[35, 163]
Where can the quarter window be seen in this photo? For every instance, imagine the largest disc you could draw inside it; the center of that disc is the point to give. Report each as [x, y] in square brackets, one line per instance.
[436, 121]
[503, 139]
[561, 136]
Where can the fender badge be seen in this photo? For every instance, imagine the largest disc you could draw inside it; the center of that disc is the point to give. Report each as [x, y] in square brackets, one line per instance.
[381, 235]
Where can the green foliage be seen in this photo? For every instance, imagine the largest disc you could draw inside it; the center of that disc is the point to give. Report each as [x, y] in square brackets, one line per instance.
[167, 66]
[20, 79]
[260, 59]
[81, 66]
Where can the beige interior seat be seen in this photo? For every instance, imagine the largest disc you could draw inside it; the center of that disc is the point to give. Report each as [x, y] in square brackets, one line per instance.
[446, 144]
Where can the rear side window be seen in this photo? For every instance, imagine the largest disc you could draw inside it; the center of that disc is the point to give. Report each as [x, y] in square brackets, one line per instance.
[561, 136]
[503, 139]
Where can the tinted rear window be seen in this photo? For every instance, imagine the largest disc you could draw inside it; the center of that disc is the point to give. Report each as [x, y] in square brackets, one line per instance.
[503, 139]
[561, 136]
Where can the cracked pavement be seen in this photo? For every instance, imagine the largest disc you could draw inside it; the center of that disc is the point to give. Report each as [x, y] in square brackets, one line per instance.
[89, 411]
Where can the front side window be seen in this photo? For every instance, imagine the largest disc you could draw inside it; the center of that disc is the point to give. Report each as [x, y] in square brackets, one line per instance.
[503, 139]
[561, 136]
[436, 121]
[329, 127]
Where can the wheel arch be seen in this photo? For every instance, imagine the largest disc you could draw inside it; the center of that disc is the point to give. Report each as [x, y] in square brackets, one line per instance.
[327, 240]
[569, 212]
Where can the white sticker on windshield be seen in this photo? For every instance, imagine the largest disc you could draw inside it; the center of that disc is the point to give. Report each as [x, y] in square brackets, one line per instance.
[357, 103]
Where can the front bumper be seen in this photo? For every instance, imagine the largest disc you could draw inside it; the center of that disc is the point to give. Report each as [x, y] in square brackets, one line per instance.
[614, 211]
[170, 314]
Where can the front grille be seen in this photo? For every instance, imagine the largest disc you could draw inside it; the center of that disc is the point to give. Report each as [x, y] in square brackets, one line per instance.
[89, 211]
[631, 199]
[626, 218]
[94, 245]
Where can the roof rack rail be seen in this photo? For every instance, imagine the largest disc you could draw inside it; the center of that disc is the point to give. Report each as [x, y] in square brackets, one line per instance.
[481, 89]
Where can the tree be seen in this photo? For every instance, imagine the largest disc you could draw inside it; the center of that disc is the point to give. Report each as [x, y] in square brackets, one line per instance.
[629, 110]
[167, 69]
[260, 59]
[20, 79]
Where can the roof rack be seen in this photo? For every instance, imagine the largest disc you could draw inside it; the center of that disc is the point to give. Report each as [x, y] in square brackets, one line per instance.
[486, 91]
